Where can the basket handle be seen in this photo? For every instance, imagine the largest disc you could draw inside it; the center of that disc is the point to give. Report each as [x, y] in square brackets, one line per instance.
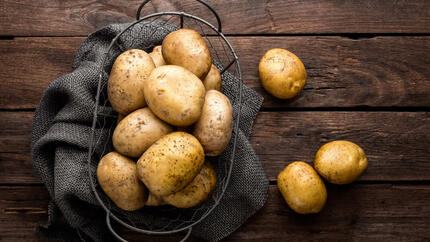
[200, 1]
[119, 238]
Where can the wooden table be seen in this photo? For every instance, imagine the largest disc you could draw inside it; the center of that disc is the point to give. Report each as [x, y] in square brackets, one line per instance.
[368, 64]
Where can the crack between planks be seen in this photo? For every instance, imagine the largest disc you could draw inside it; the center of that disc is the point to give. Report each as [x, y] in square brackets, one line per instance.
[352, 36]
[346, 109]
[24, 210]
[362, 108]
[394, 183]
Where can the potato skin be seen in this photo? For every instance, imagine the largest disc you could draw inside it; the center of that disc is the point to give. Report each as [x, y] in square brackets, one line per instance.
[302, 188]
[120, 117]
[340, 162]
[214, 127]
[212, 80]
[171, 163]
[137, 131]
[197, 191]
[175, 95]
[186, 48]
[154, 201]
[282, 73]
[125, 85]
[117, 177]
[157, 56]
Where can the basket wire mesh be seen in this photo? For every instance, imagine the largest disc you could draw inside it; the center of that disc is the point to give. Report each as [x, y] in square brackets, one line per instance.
[165, 219]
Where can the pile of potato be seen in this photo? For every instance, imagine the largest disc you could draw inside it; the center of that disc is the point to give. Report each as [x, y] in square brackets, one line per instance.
[171, 115]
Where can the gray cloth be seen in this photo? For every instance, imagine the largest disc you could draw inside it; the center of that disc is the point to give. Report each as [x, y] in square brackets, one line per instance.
[61, 134]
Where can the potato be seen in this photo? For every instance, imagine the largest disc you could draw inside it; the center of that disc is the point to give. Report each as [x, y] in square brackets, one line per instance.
[302, 188]
[282, 73]
[340, 162]
[186, 48]
[120, 117]
[197, 191]
[157, 56]
[117, 177]
[214, 127]
[125, 85]
[154, 201]
[171, 163]
[137, 131]
[175, 95]
[212, 80]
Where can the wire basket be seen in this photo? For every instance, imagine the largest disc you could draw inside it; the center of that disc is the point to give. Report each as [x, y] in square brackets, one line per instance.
[166, 219]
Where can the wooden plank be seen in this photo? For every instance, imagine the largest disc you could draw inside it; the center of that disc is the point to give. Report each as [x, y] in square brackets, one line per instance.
[29, 65]
[376, 72]
[353, 212]
[21, 209]
[80, 17]
[396, 143]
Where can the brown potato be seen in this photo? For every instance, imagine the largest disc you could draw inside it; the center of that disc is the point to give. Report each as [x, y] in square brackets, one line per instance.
[302, 188]
[282, 73]
[186, 48]
[212, 80]
[117, 177]
[157, 56]
[197, 191]
[137, 131]
[154, 201]
[125, 85]
[120, 117]
[214, 127]
[340, 162]
[171, 163]
[175, 95]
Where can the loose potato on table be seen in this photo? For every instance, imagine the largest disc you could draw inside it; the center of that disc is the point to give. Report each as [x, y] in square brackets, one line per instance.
[175, 95]
[186, 48]
[197, 191]
[214, 127]
[117, 177]
[137, 131]
[302, 188]
[171, 163]
[212, 80]
[125, 84]
[282, 73]
[157, 56]
[340, 162]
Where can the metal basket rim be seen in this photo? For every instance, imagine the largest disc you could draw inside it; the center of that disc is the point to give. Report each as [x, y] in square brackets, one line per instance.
[95, 114]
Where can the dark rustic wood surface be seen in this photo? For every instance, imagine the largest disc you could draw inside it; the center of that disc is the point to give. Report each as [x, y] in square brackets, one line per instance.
[397, 143]
[357, 211]
[368, 82]
[342, 72]
[79, 17]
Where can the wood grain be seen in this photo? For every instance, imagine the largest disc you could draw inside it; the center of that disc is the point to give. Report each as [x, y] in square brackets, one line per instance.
[353, 212]
[396, 143]
[29, 65]
[375, 72]
[80, 17]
